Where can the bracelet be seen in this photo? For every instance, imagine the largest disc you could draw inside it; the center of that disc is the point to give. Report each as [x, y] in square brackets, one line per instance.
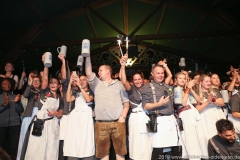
[187, 90]
[164, 65]
[123, 116]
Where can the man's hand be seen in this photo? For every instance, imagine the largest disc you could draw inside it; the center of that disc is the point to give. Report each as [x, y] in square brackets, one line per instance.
[43, 57]
[121, 119]
[163, 101]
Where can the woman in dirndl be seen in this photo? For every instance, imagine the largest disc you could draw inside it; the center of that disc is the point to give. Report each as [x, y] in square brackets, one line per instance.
[79, 137]
[32, 93]
[44, 145]
[190, 117]
[139, 142]
[210, 109]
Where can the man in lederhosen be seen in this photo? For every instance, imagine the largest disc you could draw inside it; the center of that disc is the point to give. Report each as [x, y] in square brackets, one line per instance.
[166, 137]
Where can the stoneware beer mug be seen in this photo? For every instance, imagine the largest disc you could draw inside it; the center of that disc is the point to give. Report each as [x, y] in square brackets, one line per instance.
[182, 62]
[62, 50]
[48, 59]
[85, 48]
[178, 95]
[153, 65]
[192, 99]
[225, 96]
[80, 61]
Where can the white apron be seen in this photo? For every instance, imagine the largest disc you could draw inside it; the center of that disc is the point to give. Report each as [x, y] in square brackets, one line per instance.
[26, 122]
[63, 127]
[46, 146]
[139, 142]
[79, 139]
[189, 135]
[167, 133]
[235, 121]
[207, 126]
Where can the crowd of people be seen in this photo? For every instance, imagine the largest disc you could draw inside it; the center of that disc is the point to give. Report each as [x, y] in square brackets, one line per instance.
[98, 116]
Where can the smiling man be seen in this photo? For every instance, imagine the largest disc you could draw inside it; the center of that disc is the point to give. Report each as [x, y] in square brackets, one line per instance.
[157, 99]
[226, 144]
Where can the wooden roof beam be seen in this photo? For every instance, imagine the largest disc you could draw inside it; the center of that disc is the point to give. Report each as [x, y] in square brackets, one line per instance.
[106, 21]
[16, 50]
[125, 16]
[30, 3]
[160, 22]
[182, 5]
[229, 18]
[92, 25]
[193, 30]
[197, 25]
[148, 17]
[12, 37]
[138, 38]
[62, 39]
[185, 54]
[93, 28]
[79, 11]
[44, 19]
[224, 40]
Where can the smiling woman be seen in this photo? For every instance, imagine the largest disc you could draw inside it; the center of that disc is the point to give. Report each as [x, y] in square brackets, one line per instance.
[10, 109]
[9, 68]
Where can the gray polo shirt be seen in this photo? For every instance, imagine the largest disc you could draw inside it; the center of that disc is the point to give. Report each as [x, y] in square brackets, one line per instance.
[147, 97]
[234, 103]
[109, 98]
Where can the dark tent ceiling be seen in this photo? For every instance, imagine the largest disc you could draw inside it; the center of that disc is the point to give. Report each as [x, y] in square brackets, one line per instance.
[203, 31]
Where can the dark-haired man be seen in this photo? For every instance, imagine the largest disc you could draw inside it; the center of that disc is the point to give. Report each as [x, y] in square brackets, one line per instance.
[226, 144]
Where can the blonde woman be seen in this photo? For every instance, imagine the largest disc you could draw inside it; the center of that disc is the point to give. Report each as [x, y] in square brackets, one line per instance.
[209, 109]
[189, 116]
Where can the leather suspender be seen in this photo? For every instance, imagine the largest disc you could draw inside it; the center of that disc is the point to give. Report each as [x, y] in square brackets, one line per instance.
[153, 92]
[216, 149]
[154, 96]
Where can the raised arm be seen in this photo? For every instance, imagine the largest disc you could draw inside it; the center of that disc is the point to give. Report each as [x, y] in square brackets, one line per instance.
[88, 68]
[190, 84]
[20, 83]
[234, 78]
[45, 75]
[27, 91]
[86, 96]
[168, 72]
[69, 96]
[122, 73]
[63, 68]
